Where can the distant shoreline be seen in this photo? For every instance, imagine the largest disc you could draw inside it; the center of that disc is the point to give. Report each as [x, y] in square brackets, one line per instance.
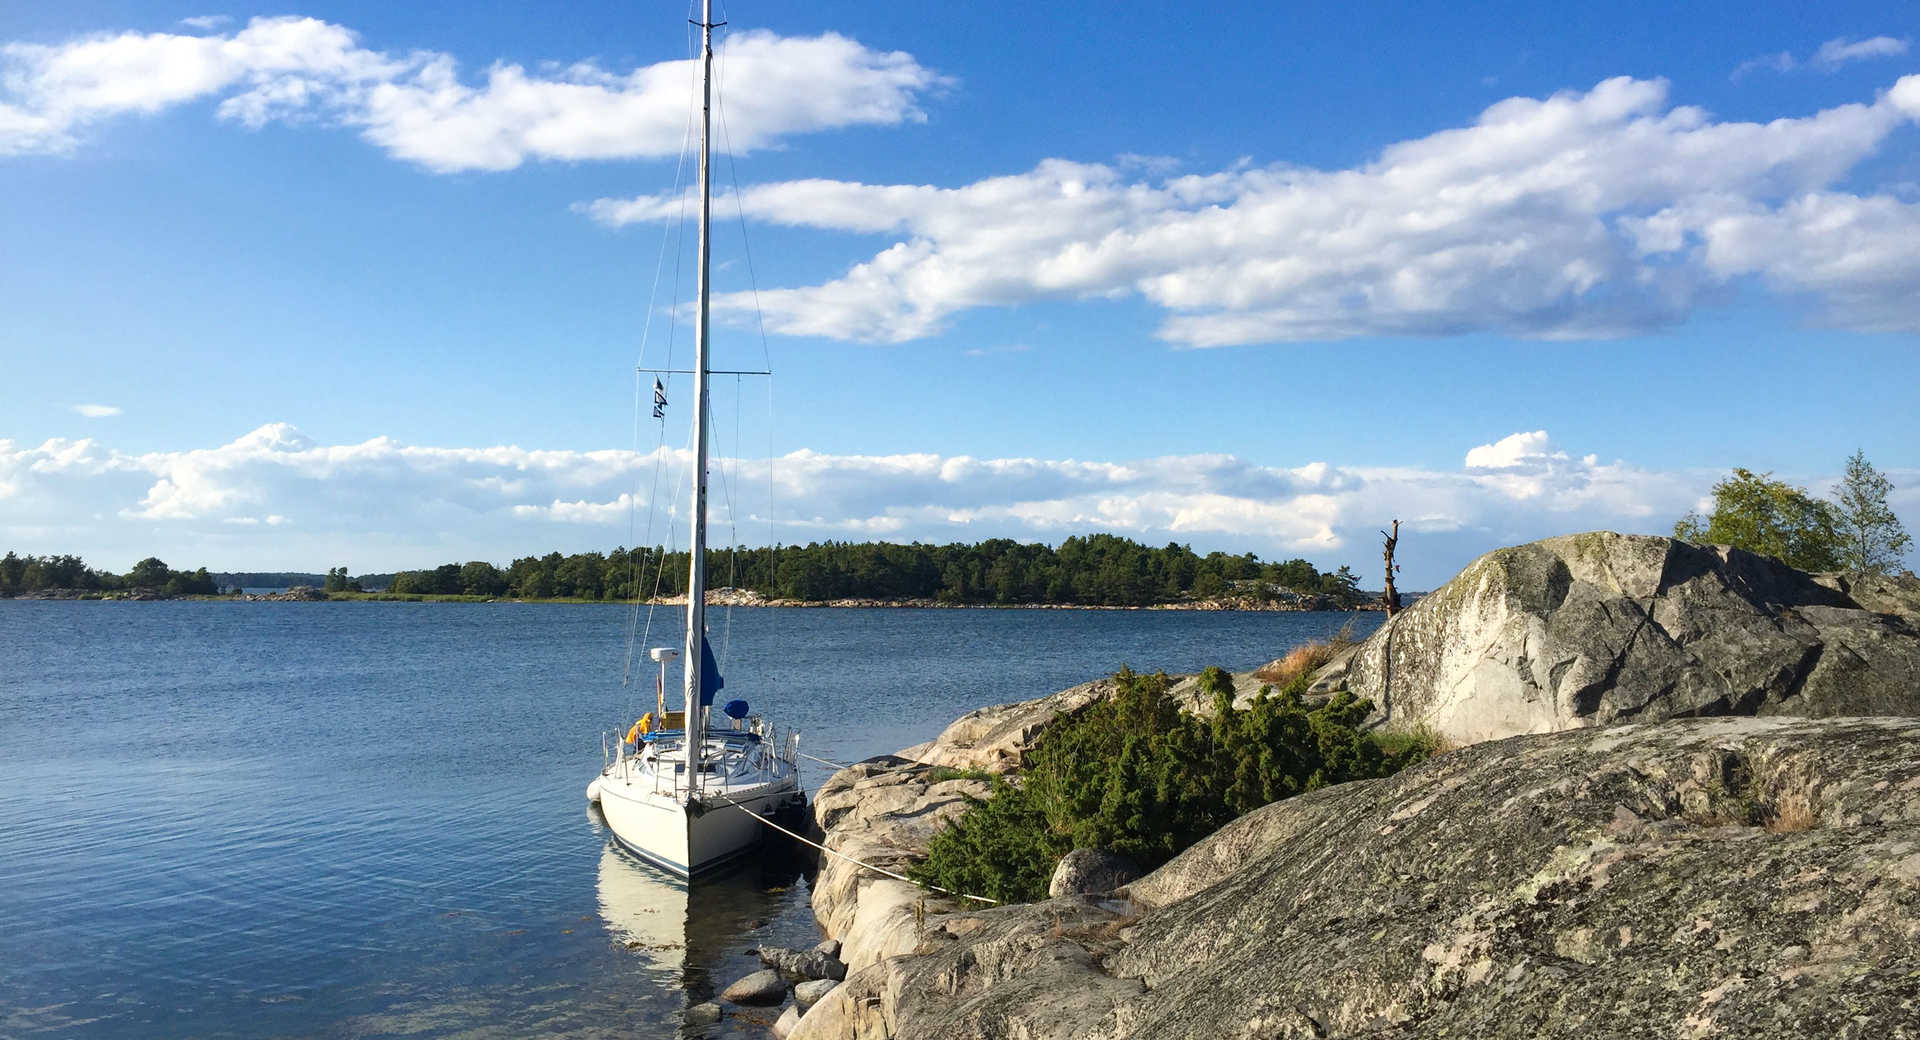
[718, 598]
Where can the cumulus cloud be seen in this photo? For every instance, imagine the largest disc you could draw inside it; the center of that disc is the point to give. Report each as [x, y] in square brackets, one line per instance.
[278, 498]
[96, 411]
[417, 107]
[1514, 451]
[1603, 213]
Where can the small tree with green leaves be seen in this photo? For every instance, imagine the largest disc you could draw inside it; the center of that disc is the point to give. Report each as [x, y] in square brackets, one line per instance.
[1751, 511]
[149, 573]
[1872, 539]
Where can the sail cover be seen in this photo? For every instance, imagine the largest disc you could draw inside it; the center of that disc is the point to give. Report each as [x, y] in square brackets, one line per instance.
[710, 680]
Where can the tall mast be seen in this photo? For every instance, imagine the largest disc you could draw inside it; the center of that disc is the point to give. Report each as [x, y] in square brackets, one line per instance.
[694, 660]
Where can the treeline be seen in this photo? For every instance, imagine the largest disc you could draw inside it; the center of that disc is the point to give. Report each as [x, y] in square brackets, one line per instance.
[1099, 570]
[265, 579]
[21, 575]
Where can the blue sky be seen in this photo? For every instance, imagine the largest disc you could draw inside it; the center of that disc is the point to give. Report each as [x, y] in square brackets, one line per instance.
[364, 284]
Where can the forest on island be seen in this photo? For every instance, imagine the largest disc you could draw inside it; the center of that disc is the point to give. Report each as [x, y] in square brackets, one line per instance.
[20, 575]
[1096, 570]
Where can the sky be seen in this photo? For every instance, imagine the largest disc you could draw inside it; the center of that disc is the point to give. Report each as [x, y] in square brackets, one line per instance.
[368, 284]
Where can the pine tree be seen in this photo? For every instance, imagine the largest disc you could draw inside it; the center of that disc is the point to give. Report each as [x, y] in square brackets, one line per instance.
[1872, 540]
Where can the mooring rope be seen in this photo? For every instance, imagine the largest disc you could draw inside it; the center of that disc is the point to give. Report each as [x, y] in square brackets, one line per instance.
[850, 859]
[822, 761]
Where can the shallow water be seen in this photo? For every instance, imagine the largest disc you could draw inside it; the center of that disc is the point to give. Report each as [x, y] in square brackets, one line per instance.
[264, 819]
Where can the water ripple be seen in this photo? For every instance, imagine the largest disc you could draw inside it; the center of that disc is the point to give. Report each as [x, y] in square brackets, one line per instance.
[367, 820]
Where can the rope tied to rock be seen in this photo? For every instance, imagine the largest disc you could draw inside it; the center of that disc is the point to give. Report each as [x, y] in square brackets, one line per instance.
[858, 863]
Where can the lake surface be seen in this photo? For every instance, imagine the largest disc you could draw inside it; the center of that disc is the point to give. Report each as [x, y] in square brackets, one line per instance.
[368, 819]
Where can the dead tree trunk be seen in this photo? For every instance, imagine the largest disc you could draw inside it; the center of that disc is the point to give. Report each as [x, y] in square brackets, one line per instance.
[1392, 595]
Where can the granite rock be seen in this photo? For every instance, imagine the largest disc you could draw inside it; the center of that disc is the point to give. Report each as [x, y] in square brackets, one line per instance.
[1592, 629]
[1090, 872]
[1737, 877]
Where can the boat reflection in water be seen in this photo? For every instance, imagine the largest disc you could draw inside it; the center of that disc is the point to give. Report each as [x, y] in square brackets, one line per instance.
[695, 946]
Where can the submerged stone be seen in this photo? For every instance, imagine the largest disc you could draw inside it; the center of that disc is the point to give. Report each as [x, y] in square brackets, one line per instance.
[761, 987]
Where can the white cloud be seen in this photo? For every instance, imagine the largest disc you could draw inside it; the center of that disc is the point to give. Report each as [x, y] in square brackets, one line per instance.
[580, 511]
[1829, 57]
[276, 498]
[1514, 451]
[1780, 62]
[96, 411]
[417, 107]
[1835, 53]
[1584, 215]
[207, 22]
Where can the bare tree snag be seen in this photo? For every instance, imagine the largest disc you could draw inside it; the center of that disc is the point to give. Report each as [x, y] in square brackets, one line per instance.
[1392, 595]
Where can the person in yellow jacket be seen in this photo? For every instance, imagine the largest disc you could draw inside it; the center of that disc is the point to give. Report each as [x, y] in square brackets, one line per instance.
[640, 729]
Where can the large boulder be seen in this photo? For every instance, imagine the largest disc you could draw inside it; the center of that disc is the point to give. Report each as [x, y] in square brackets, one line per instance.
[1589, 629]
[1715, 877]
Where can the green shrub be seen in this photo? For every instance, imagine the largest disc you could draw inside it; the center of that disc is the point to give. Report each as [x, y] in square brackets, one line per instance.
[999, 849]
[1135, 774]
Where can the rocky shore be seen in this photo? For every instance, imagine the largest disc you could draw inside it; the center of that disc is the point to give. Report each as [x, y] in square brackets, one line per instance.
[1595, 859]
[297, 594]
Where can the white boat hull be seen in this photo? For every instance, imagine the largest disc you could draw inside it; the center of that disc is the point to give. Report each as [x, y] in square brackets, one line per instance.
[665, 834]
[651, 817]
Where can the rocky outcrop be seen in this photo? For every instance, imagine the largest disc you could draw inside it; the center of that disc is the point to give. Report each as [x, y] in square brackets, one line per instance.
[1589, 629]
[1711, 877]
[1738, 876]
[296, 594]
[886, 810]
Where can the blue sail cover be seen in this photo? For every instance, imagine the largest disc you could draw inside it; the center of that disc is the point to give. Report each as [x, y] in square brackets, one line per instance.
[710, 680]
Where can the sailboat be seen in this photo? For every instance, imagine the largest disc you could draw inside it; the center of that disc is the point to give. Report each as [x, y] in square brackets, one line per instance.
[698, 792]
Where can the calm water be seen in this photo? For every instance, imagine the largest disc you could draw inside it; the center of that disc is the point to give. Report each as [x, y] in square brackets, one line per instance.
[279, 819]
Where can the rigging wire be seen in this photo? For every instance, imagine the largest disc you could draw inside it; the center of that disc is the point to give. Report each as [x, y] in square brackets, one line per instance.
[675, 232]
[766, 354]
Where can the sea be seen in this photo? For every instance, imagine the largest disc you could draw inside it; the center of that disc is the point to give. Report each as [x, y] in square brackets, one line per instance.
[369, 819]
